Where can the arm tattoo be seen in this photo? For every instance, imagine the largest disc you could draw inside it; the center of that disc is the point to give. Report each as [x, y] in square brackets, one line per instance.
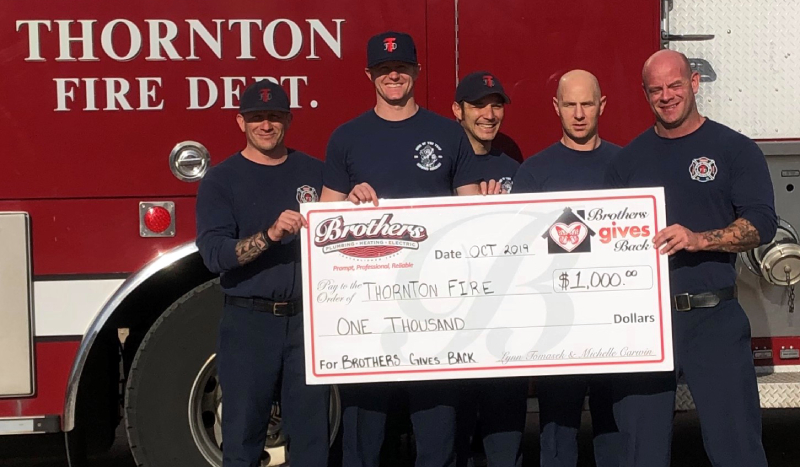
[248, 249]
[740, 236]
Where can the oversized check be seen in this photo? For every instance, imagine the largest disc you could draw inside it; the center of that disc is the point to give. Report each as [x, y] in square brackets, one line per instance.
[486, 286]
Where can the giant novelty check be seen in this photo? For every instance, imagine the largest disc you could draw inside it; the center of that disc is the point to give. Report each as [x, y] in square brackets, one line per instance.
[486, 286]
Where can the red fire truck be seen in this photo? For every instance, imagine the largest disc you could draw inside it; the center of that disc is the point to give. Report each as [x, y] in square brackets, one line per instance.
[111, 112]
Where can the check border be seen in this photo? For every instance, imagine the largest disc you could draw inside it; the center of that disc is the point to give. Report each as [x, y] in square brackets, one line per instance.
[484, 368]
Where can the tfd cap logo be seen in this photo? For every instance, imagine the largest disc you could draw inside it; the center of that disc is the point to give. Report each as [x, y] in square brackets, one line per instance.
[389, 44]
[266, 95]
[488, 80]
[375, 239]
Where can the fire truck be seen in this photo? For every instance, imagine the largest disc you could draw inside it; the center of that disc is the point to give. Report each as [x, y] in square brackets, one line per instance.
[110, 114]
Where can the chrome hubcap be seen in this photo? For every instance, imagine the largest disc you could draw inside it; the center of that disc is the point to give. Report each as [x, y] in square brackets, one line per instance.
[205, 419]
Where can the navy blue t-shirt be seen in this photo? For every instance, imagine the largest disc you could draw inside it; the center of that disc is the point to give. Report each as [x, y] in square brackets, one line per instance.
[422, 156]
[710, 177]
[238, 198]
[499, 166]
[559, 168]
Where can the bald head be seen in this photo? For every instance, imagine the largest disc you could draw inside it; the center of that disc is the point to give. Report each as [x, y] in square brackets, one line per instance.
[581, 79]
[665, 60]
[579, 104]
[670, 86]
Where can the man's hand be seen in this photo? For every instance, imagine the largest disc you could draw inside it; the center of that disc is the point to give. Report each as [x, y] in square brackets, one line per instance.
[491, 187]
[363, 193]
[676, 238]
[288, 223]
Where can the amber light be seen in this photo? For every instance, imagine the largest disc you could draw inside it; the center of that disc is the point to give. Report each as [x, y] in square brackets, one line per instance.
[157, 219]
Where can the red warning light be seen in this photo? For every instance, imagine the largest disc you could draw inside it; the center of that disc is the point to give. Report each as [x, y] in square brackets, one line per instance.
[157, 219]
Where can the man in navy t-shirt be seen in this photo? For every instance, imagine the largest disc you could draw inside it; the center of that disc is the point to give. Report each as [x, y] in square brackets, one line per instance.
[398, 150]
[247, 226]
[577, 162]
[499, 403]
[719, 202]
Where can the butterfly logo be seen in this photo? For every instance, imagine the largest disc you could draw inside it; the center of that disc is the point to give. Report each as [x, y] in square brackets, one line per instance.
[569, 236]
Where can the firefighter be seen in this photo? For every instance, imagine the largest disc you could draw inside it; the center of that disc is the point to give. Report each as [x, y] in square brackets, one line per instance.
[577, 162]
[499, 403]
[719, 202]
[398, 150]
[247, 231]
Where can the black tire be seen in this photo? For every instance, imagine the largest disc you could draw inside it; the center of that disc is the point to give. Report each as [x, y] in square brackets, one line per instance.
[177, 353]
[161, 377]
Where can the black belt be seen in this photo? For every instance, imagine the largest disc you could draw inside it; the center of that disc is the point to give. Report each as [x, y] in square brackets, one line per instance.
[685, 301]
[267, 306]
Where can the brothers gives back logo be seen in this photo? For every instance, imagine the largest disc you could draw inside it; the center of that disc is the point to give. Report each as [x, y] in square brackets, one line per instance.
[375, 239]
[569, 234]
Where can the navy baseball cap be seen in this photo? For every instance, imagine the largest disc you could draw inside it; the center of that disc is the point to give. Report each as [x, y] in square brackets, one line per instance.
[479, 84]
[391, 47]
[264, 95]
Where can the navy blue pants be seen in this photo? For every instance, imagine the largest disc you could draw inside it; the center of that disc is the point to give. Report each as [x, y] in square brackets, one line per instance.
[712, 352]
[253, 350]
[497, 407]
[432, 405]
[560, 407]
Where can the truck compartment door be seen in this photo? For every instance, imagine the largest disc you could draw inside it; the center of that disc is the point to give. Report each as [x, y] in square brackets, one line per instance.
[16, 319]
[749, 68]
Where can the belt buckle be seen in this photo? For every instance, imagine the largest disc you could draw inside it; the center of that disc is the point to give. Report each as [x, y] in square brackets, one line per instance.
[279, 306]
[682, 302]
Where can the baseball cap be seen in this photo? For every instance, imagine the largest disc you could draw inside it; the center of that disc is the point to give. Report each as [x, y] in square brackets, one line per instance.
[264, 95]
[477, 85]
[391, 46]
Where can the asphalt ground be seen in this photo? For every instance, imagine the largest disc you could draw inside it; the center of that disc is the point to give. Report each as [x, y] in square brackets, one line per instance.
[781, 429]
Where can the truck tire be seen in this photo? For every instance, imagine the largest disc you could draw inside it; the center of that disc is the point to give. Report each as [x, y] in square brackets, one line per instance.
[172, 399]
[171, 354]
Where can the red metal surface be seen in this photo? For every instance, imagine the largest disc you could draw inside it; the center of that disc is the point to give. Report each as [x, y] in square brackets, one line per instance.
[775, 344]
[53, 362]
[529, 45]
[56, 154]
[439, 71]
[97, 236]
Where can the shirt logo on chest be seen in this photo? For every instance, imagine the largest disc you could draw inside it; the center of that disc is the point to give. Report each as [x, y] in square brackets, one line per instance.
[427, 156]
[307, 194]
[506, 184]
[703, 169]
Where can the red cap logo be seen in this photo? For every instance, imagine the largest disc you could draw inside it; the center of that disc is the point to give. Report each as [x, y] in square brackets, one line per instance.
[266, 95]
[488, 80]
[389, 44]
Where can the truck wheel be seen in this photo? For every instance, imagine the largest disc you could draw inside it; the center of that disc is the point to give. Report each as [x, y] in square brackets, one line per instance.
[172, 398]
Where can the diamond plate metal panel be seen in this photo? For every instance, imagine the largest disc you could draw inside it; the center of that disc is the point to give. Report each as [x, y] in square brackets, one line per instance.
[756, 58]
[776, 390]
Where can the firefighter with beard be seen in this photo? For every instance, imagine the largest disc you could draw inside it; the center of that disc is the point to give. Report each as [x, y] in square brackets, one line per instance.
[720, 202]
[247, 231]
[497, 404]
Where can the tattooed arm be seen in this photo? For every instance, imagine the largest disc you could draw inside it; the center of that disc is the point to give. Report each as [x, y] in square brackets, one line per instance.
[741, 235]
[250, 248]
[218, 234]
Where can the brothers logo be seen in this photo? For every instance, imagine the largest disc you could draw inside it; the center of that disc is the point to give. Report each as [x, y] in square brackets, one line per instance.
[569, 234]
[375, 239]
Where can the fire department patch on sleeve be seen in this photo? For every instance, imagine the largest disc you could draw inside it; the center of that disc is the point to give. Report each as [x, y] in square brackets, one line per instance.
[307, 194]
[703, 169]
